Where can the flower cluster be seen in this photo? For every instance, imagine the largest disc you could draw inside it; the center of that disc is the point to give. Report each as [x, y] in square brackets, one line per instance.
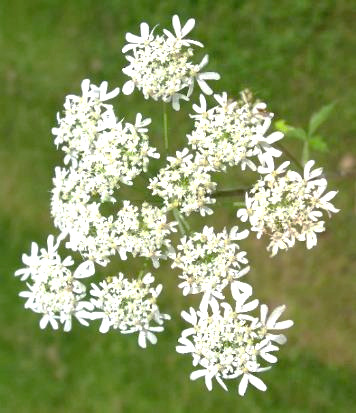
[53, 289]
[141, 231]
[103, 153]
[100, 154]
[184, 184]
[209, 262]
[160, 65]
[128, 306]
[232, 133]
[227, 343]
[287, 206]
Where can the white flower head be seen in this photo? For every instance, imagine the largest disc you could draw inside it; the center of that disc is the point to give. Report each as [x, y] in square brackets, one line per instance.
[230, 133]
[160, 66]
[53, 289]
[229, 344]
[209, 262]
[184, 184]
[129, 306]
[287, 206]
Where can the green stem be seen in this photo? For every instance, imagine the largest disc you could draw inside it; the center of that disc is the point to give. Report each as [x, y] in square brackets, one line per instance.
[230, 192]
[178, 219]
[239, 204]
[144, 269]
[184, 221]
[305, 152]
[165, 126]
[290, 156]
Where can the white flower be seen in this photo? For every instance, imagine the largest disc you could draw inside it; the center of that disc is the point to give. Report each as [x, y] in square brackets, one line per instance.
[286, 206]
[250, 378]
[201, 78]
[103, 154]
[128, 306]
[138, 231]
[99, 93]
[184, 184]
[272, 322]
[231, 344]
[138, 41]
[209, 262]
[160, 66]
[231, 133]
[53, 290]
[180, 32]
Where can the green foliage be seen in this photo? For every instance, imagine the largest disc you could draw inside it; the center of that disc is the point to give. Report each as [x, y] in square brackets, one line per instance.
[319, 117]
[311, 141]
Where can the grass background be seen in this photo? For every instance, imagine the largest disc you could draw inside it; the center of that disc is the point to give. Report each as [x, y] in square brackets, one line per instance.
[297, 56]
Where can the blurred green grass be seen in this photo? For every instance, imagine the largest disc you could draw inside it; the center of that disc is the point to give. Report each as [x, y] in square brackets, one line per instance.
[297, 56]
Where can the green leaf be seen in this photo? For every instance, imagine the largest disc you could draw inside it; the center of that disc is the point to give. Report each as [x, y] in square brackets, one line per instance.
[297, 133]
[281, 125]
[320, 117]
[318, 143]
[290, 131]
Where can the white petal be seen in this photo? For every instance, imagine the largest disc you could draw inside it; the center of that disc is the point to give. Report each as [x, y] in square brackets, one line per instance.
[205, 88]
[208, 382]
[84, 270]
[151, 337]
[237, 287]
[258, 383]
[190, 317]
[307, 168]
[204, 303]
[105, 325]
[175, 102]
[132, 38]
[277, 338]
[176, 25]
[249, 306]
[142, 339]
[148, 278]
[85, 86]
[222, 384]
[53, 323]
[44, 321]
[269, 357]
[204, 61]
[50, 244]
[276, 313]
[145, 30]
[330, 195]
[112, 94]
[264, 311]
[243, 385]
[284, 324]
[197, 374]
[237, 236]
[67, 325]
[183, 349]
[128, 87]
[274, 137]
[188, 27]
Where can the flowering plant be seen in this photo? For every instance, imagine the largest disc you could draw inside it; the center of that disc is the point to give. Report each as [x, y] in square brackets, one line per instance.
[227, 339]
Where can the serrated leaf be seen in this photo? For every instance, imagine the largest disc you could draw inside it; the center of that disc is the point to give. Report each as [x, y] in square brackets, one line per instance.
[320, 117]
[318, 143]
